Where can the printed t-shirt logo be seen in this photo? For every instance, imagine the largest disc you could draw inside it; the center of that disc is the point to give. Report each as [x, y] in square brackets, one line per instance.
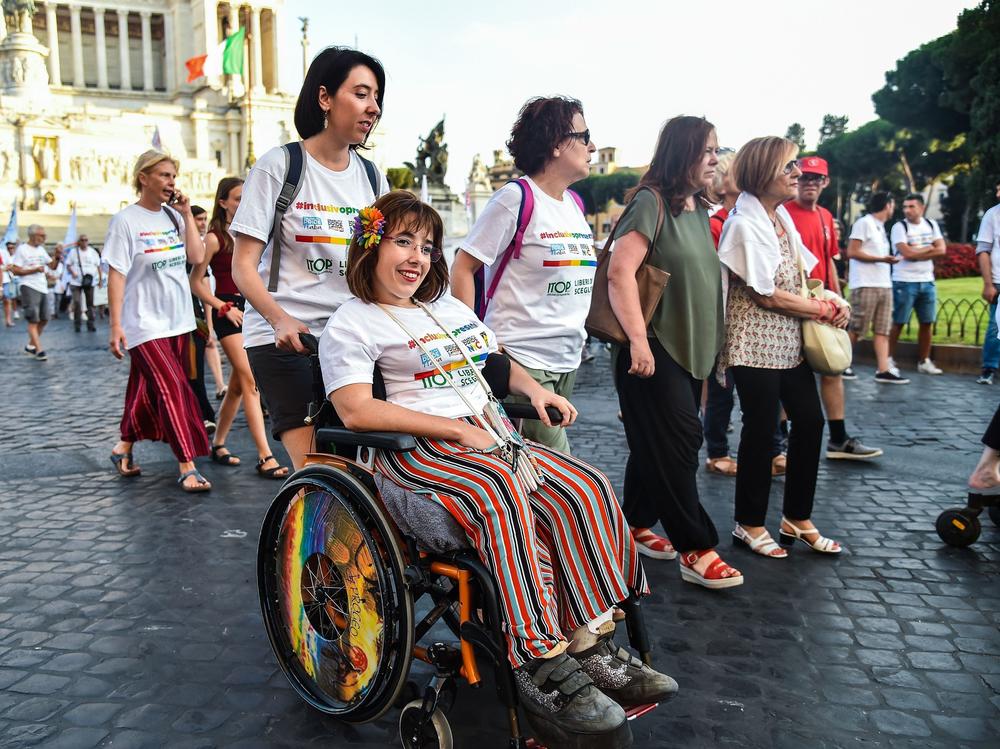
[431, 377]
[312, 222]
[159, 241]
[315, 223]
[571, 254]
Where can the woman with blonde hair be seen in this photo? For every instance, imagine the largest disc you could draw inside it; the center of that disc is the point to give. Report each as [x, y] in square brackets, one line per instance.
[225, 307]
[146, 248]
[765, 259]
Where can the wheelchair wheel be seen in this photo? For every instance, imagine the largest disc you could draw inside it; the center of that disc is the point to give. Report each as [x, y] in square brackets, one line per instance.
[994, 512]
[958, 528]
[336, 608]
[420, 731]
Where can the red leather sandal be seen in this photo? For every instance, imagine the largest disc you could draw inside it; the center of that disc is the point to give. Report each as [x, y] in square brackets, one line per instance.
[651, 545]
[717, 575]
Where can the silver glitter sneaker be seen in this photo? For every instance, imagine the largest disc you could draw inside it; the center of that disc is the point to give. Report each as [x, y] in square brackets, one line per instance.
[623, 677]
[566, 710]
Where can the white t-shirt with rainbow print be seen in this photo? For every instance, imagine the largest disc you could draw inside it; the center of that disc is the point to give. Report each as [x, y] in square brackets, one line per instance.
[146, 248]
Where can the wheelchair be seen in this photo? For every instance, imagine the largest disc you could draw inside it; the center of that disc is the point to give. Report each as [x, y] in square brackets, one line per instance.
[960, 526]
[338, 581]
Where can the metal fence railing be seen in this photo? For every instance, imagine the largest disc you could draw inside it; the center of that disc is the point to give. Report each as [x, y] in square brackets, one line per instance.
[962, 319]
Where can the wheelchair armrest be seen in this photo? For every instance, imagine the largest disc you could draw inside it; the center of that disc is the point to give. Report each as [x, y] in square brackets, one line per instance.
[527, 411]
[381, 440]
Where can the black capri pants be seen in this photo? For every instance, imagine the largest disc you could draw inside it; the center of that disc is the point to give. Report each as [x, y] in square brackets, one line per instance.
[762, 393]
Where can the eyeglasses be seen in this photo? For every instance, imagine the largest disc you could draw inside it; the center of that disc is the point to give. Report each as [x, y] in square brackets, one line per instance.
[428, 250]
[805, 178]
[790, 166]
[583, 137]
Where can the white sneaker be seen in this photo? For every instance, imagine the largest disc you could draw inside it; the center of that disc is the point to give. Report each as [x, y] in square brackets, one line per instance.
[929, 367]
[17, 315]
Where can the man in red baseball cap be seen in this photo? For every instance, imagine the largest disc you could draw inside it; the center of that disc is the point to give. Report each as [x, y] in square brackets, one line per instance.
[815, 225]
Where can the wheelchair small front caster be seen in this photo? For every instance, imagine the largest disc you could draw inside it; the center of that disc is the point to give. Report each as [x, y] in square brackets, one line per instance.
[958, 527]
[420, 730]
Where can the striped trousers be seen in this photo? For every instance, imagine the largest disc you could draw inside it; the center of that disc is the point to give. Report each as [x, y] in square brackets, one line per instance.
[159, 402]
[561, 555]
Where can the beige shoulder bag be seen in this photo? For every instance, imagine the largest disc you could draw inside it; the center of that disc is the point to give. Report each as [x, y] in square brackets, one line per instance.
[826, 347]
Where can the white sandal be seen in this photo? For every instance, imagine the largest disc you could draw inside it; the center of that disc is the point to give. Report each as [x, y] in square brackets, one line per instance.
[763, 544]
[822, 544]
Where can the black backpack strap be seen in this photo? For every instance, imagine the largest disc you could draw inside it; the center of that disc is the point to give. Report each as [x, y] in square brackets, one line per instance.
[173, 220]
[294, 168]
[372, 171]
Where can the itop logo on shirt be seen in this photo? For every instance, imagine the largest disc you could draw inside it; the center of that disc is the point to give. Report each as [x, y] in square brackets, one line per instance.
[578, 254]
[162, 241]
[310, 223]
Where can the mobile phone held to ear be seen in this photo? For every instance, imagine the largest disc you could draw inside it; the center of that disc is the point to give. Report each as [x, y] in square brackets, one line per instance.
[172, 200]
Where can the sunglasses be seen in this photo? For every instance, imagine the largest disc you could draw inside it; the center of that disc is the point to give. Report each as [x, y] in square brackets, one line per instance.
[583, 137]
[790, 166]
[805, 178]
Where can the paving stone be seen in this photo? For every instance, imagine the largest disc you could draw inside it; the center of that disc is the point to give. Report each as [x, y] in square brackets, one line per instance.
[127, 592]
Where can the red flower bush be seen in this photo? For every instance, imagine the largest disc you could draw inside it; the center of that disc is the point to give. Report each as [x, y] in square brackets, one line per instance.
[960, 262]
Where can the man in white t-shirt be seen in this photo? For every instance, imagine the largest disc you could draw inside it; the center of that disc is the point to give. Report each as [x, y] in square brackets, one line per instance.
[917, 240]
[29, 263]
[988, 255]
[84, 266]
[870, 279]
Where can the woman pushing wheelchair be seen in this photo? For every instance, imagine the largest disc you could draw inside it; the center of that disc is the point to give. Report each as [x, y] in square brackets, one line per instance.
[547, 525]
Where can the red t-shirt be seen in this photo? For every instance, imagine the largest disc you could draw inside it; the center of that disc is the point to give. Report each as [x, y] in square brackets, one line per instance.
[715, 222]
[816, 230]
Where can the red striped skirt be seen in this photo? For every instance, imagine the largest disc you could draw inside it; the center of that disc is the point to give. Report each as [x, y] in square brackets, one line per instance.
[159, 403]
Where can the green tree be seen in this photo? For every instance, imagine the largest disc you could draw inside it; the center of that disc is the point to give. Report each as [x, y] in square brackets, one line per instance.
[833, 125]
[400, 178]
[797, 134]
[598, 190]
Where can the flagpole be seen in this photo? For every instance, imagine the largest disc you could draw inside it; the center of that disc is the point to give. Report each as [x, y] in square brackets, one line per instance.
[251, 159]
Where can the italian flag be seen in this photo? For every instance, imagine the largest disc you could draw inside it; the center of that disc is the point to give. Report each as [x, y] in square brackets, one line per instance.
[226, 59]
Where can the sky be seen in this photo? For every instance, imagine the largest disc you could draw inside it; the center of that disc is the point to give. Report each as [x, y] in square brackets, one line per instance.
[751, 68]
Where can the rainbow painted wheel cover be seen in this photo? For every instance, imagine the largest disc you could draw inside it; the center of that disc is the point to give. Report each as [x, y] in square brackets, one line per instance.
[329, 596]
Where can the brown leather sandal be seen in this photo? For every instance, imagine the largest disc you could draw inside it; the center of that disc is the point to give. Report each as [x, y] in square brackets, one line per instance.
[724, 466]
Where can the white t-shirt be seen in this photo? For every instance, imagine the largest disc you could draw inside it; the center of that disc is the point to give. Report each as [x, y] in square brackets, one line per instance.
[358, 335]
[26, 256]
[871, 232]
[145, 247]
[5, 262]
[989, 231]
[55, 276]
[541, 304]
[315, 234]
[90, 262]
[919, 236]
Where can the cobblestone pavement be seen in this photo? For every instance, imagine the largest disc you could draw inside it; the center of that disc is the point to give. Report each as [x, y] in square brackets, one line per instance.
[129, 615]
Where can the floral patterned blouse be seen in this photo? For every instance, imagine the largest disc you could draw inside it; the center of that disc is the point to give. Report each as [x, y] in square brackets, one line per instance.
[759, 337]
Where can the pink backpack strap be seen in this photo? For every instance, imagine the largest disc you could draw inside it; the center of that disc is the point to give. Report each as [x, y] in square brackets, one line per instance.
[514, 248]
[579, 201]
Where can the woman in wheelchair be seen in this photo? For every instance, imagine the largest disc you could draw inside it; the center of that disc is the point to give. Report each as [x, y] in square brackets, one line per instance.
[547, 525]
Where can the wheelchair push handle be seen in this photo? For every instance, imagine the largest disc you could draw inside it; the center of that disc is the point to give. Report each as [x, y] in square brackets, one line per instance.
[310, 342]
[527, 411]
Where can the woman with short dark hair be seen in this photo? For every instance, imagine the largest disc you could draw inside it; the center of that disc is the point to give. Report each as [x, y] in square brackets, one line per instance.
[659, 373]
[766, 260]
[546, 525]
[339, 105]
[537, 295]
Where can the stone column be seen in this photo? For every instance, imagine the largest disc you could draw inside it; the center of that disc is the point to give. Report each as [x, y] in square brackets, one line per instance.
[234, 26]
[124, 61]
[277, 35]
[77, 38]
[147, 50]
[55, 76]
[170, 52]
[258, 67]
[102, 51]
[233, 129]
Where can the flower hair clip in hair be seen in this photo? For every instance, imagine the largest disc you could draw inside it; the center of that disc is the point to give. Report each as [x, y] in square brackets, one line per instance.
[369, 226]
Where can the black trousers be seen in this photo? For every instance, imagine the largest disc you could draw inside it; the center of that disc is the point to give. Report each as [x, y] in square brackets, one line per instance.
[992, 436]
[762, 393]
[198, 383]
[664, 435]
